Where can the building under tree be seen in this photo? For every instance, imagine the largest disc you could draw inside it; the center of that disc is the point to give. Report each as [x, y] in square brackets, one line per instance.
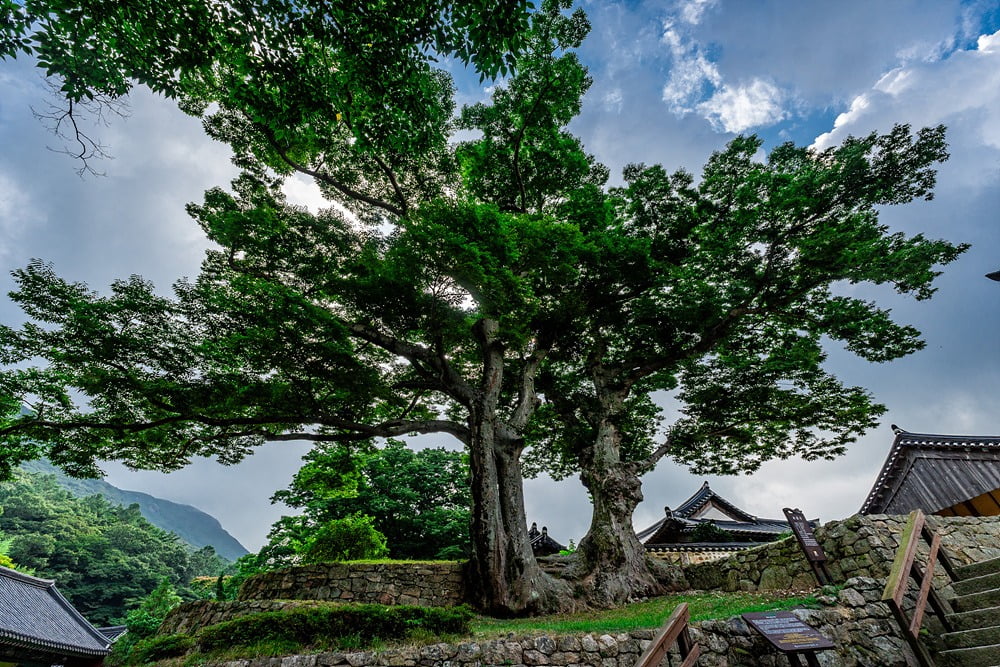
[38, 626]
[705, 527]
[950, 475]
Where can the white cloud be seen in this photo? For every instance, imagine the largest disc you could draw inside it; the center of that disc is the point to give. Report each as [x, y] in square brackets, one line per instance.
[962, 91]
[695, 83]
[736, 109]
[691, 11]
[614, 100]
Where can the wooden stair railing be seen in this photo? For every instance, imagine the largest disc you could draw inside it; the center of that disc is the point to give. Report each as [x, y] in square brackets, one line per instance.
[905, 567]
[675, 630]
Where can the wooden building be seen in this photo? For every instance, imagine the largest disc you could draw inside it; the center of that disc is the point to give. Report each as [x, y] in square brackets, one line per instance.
[950, 475]
[541, 543]
[39, 627]
[706, 526]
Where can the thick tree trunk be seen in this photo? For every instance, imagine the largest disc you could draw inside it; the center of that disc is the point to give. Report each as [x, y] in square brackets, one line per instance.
[503, 577]
[612, 566]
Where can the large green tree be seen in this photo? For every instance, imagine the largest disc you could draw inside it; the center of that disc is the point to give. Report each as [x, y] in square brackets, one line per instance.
[724, 293]
[458, 279]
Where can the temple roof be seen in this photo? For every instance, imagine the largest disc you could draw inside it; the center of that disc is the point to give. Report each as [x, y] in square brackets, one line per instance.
[541, 543]
[933, 472]
[34, 616]
[708, 506]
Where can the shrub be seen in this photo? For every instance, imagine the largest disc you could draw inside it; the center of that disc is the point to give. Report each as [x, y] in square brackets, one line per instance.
[331, 624]
[351, 538]
[153, 649]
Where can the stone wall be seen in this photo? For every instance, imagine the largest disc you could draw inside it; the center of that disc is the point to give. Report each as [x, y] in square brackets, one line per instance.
[437, 584]
[190, 617]
[856, 620]
[860, 546]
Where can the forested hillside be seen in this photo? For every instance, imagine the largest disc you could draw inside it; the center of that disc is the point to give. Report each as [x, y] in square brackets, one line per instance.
[191, 524]
[103, 557]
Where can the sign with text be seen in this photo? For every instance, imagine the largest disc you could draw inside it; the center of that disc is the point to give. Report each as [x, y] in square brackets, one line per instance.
[804, 533]
[786, 632]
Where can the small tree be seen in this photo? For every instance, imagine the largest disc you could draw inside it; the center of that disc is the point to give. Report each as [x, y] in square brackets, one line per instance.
[351, 538]
[145, 620]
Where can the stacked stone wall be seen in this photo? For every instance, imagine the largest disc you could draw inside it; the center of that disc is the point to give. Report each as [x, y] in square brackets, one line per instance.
[856, 620]
[860, 546]
[437, 584]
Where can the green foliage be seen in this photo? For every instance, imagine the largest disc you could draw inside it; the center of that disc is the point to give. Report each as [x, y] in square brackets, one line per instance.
[709, 532]
[419, 500]
[147, 617]
[327, 625]
[495, 291]
[351, 538]
[190, 524]
[103, 557]
[154, 649]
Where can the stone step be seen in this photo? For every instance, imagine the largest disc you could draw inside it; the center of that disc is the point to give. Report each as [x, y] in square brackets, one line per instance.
[978, 618]
[981, 600]
[977, 584]
[981, 656]
[973, 638]
[978, 569]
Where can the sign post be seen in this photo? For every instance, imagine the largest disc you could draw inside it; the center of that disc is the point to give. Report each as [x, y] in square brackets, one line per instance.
[807, 540]
[789, 635]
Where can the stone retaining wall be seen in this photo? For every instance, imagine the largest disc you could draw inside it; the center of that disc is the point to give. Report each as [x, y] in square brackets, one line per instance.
[860, 546]
[437, 584]
[856, 620]
[190, 617]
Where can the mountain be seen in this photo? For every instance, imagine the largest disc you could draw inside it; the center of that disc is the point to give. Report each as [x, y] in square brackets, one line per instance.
[189, 523]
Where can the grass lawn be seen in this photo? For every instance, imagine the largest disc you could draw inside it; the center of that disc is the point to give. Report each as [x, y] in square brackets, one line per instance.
[649, 614]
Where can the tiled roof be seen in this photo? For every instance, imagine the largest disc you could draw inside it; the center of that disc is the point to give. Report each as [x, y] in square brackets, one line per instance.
[706, 495]
[684, 520]
[35, 616]
[541, 543]
[932, 472]
[113, 632]
[700, 546]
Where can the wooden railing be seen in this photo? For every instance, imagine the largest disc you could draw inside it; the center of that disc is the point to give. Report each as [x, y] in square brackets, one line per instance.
[675, 630]
[905, 567]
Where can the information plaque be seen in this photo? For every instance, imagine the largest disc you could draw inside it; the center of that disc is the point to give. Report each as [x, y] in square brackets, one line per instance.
[810, 545]
[786, 632]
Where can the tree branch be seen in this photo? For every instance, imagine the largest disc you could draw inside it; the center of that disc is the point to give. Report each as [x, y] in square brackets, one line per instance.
[323, 177]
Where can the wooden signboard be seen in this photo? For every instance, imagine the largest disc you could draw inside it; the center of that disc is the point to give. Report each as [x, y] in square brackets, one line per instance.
[789, 635]
[810, 545]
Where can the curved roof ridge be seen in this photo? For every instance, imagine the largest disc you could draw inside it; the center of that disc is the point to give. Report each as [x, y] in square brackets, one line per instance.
[702, 497]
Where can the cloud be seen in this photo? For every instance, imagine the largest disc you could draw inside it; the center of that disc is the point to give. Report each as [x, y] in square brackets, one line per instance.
[695, 83]
[736, 109]
[962, 91]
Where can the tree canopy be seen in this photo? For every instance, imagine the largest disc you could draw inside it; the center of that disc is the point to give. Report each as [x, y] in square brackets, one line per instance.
[496, 291]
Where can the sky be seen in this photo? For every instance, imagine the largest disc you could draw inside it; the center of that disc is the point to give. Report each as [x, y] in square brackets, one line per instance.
[673, 82]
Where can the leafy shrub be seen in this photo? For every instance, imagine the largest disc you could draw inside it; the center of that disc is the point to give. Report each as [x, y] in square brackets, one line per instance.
[709, 532]
[153, 649]
[351, 538]
[330, 624]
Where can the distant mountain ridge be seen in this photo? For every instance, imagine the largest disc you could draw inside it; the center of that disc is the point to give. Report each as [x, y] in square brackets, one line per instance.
[195, 527]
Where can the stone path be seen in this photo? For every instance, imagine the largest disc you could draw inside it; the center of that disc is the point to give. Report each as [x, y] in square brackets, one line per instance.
[976, 641]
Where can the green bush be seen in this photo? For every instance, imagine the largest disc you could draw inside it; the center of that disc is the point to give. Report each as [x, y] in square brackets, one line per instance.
[330, 625]
[350, 538]
[159, 648]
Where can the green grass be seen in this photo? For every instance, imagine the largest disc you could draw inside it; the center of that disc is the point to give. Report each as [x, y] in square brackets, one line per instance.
[649, 614]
